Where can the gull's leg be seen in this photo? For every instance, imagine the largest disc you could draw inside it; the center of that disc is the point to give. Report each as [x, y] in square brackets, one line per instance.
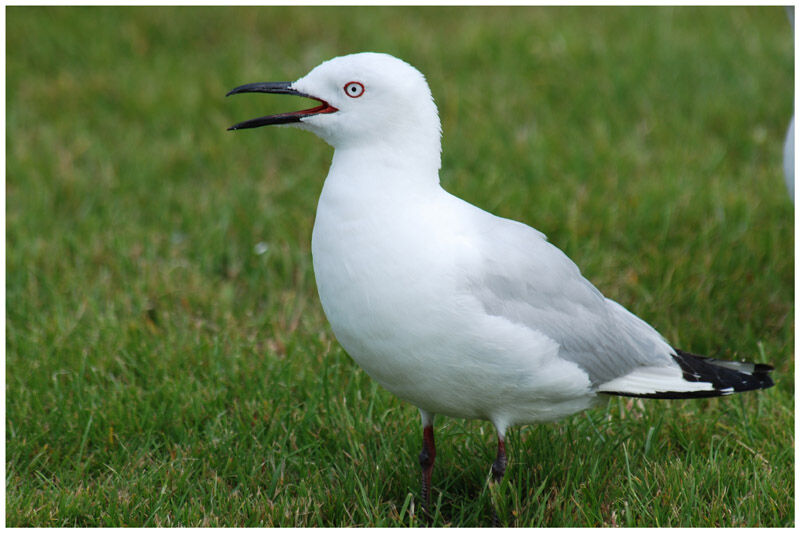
[498, 470]
[499, 465]
[426, 458]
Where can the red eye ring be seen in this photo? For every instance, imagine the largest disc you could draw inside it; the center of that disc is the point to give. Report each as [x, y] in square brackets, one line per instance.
[353, 89]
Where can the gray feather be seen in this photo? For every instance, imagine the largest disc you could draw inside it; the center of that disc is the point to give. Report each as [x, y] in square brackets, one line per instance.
[544, 290]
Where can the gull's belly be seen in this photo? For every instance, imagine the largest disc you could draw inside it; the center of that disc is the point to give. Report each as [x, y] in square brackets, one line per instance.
[396, 305]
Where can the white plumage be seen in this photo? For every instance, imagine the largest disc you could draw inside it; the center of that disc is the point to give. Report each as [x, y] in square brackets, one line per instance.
[453, 309]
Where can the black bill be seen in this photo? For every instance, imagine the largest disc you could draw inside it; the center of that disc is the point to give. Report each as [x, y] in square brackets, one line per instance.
[279, 87]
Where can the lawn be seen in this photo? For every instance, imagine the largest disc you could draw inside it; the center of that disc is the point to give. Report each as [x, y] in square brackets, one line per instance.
[167, 359]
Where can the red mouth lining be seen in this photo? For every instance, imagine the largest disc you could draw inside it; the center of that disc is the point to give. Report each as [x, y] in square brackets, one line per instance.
[322, 108]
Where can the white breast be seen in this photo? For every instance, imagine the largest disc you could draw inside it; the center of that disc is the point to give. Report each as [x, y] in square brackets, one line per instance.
[388, 267]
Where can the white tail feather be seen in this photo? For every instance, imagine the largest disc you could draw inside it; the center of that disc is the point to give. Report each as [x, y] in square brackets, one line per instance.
[653, 380]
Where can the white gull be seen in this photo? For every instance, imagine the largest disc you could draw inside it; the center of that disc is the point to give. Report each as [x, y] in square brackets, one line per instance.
[451, 308]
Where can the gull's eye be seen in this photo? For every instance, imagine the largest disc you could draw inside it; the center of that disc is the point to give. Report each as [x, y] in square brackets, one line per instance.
[353, 89]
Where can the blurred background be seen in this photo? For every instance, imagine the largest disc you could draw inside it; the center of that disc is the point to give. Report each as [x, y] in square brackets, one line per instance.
[167, 359]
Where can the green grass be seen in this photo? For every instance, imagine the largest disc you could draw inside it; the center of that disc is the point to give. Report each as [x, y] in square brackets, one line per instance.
[160, 372]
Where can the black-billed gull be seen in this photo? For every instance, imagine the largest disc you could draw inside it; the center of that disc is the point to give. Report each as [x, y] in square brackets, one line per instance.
[451, 308]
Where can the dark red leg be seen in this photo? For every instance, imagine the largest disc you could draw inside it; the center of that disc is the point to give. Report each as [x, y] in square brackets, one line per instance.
[498, 470]
[426, 458]
[499, 465]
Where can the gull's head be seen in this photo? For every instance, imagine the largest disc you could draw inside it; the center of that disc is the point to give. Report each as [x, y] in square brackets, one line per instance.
[365, 100]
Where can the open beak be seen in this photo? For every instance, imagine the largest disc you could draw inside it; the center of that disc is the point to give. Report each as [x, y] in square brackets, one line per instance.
[279, 87]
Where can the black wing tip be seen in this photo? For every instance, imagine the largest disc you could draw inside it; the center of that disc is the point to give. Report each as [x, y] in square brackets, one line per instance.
[688, 357]
[762, 368]
[672, 395]
[722, 376]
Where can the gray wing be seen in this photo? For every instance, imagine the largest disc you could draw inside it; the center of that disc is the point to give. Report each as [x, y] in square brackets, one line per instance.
[527, 280]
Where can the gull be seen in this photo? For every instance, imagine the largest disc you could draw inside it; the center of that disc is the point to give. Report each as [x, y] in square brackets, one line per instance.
[453, 309]
[788, 144]
[788, 158]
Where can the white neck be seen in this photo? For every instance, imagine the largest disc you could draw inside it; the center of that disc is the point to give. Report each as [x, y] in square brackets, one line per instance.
[387, 165]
